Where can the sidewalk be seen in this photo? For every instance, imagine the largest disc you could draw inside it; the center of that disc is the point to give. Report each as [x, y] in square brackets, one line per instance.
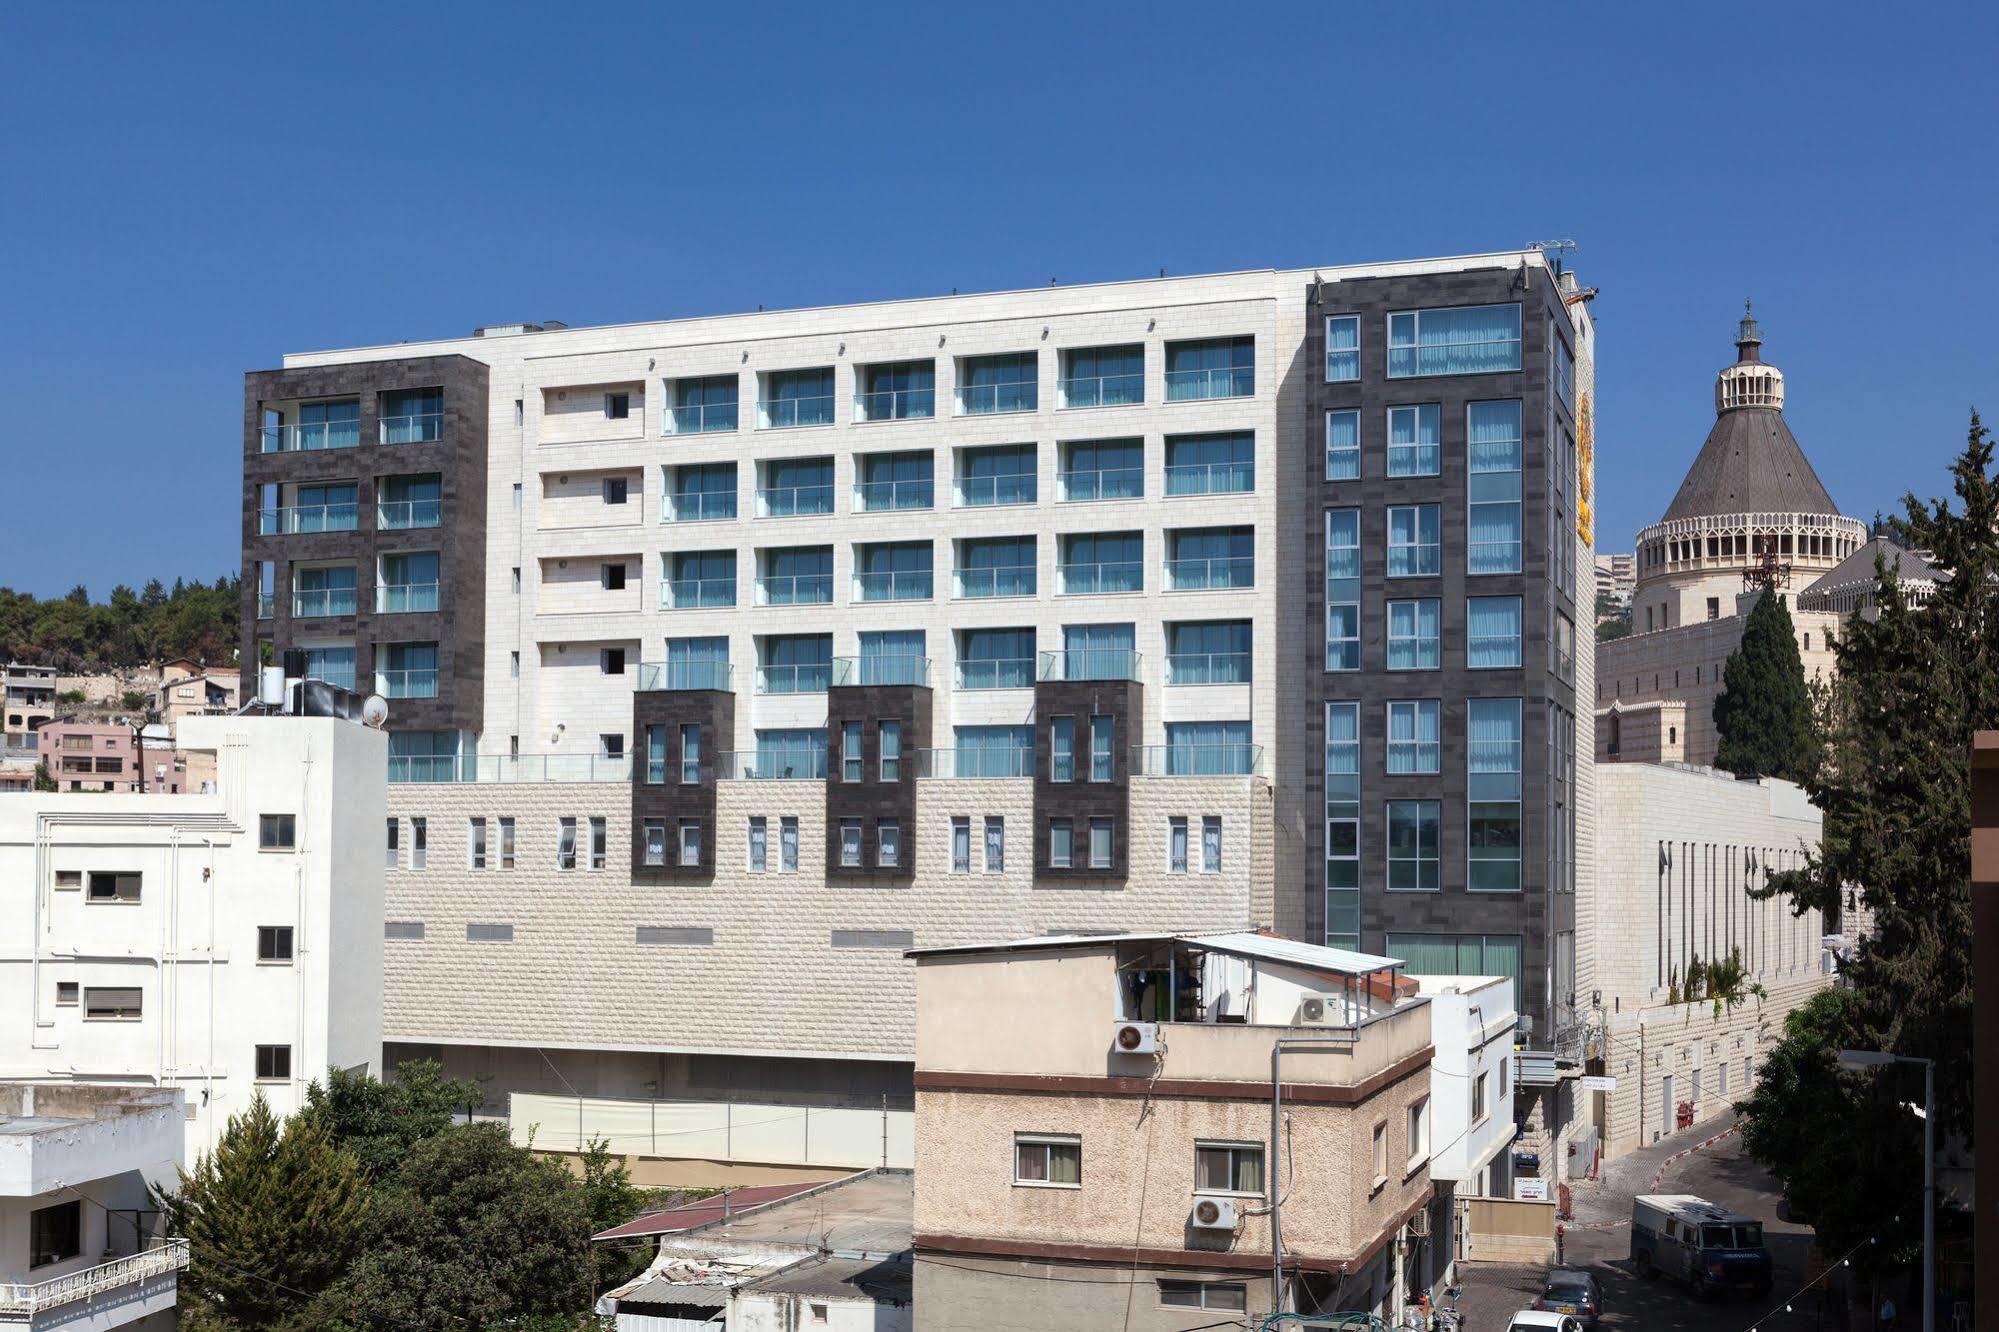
[1606, 1200]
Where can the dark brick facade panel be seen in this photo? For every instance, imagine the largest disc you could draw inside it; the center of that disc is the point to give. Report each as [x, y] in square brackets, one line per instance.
[871, 800]
[1081, 800]
[671, 800]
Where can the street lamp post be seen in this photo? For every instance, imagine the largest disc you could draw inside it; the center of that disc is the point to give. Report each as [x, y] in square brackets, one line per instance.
[1874, 1059]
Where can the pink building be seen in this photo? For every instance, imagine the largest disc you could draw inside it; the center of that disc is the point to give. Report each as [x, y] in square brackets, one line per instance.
[99, 756]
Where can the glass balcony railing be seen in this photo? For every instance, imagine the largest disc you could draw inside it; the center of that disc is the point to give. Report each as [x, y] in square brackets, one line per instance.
[697, 593]
[702, 506]
[1224, 760]
[1211, 479]
[973, 763]
[312, 435]
[402, 598]
[1211, 575]
[879, 496]
[420, 683]
[772, 765]
[1104, 484]
[298, 519]
[900, 585]
[506, 768]
[312, 602]
[985, 491]
[417, 428]
[794, 501]
[657, 675]
[1207, 668]
[783, 413]
[1013, 581]
[895, 405]
[805, 678]
[988, 399]
[697, 418]
[998, 673]
[795, 590]
[1222, 381]
[401, 515]
[1118, 576]
[1092, 664]
[267, 605]
[1103, 391]
[881, 670]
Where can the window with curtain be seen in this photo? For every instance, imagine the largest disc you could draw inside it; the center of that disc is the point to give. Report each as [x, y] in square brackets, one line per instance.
[1564, 366]
[1208, 749]
[796, 486]
[1343, 825]
[1103, 748]
[1465, 340]
[409, 670]
[996, 659]
[1208, 652]
[1211, 558]
[1004, 474]
[799, 753]
[759, 843]
[1102, 844]
[1413, 536]
[1102, 469]
[408, 582]
[1103, 376]
[893, 656]
[1211, 464]
[1493, 487]
[1413, 863]
[795, 664]
[1414, 629]
[335, 665]
[702, 578]
[1050, 1160]
[1006, 383]
[995, 844]
[798, 397]
[1342, 349]
[796, 576]
[1211, 844]
[993, 751]
[1176, 845]
[1493, 744]
[1343, 589]
[1413, 726]
[655, 741]
[1343, 446]
[703, 492]
[893, 571]
[1460, 955]
[787, 844]
[696, 663]
[1099, 652]
[897, 390]
[1103, 562]
[890, 481]
[1210, 368]
[1492, 632]
[412, 416]
[996, 567]
[1415, 440]
[1061, 843]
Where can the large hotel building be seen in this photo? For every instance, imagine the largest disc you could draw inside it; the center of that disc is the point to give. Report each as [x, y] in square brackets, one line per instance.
[728, 658]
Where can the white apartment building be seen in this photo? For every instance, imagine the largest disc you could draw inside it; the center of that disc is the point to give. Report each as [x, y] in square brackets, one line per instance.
[81, 1248]
[218, 944]
[1472, 1025]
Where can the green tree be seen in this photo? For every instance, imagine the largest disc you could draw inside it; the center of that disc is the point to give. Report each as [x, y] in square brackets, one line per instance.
[472, 1231]
[380, 1121]
[1764, 713]
[273, 1218]
[612, 1199]
[132, 700]
[44, 779]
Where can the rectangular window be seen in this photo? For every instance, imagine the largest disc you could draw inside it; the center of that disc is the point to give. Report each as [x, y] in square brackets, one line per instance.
[1460, 955]
[1176, 844]
[655, 754]
[612, 576]
[1000, 474]
[1103, 376]
[1492, 632]
[1415, 440]
[1062, 749]
[565, 843]
[55, 1233]
[274, 943]
[1101, 562]
[1211, 464]
[1212, 559]
[1493, 453]
[393, 849]
[419, 842]
[1061, 843]
[1419, 1132]
[759, 843]
[1343, 446]
[1413, 726]
[1493, 753]
[700, 579]
[112, 1003]
[1211, 844]
[996, 567]
[274, 1063]
[797, 398]
[1103, 848]
[617, 406]
[112, 886]
[690, 754]
[1103, 747]
[506, 843]
[1048, 1160]
[1379, 1157]
[66, 994]
[1413, 532]
[996, 659]
[1343, 589]
[850, 843]
[995, 844]
[1414, 635]
[1342, 349]
[888, 843]
[1230, 1296]
[475, 844]
[889, 758]
[1467, 340]
[690, 843]
[611, 661]
[1228, 1167]
[897, 391]
[1210, 368]
[1103, 469]
[1478, 1099]
[277, 832]
[617, 489]
[1007, 383]
[851, 764]
[1413, 864]
[702, 405]
[961, 845]
[597, 843]
[787, 844]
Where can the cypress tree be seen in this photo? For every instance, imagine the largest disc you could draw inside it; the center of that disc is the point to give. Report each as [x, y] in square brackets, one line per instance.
[1764, 713]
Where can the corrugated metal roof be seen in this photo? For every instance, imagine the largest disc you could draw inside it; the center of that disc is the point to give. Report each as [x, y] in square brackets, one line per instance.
[707, 1210]
[1241, 943]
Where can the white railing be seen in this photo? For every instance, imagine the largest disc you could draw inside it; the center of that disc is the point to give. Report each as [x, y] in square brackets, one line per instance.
[1104, 483]
[1103, 391]
[396, 598]
[20, 1297]
[895, 404]
[416, 428]
[781, 413]
[874, 496]
[1021, 395]
[400, 515]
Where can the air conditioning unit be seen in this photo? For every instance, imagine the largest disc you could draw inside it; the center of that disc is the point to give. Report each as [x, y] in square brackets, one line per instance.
[1419, 1223]
[1135, 1038]
[1322, 1010]
[1212, 1212]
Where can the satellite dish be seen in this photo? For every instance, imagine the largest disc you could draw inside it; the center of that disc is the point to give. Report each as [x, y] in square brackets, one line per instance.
[375, 711]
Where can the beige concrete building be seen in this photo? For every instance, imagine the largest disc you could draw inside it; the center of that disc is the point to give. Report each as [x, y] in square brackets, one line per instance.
[1097, 1144]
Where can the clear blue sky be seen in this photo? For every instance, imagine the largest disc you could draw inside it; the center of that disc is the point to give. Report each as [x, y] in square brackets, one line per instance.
[187, 193]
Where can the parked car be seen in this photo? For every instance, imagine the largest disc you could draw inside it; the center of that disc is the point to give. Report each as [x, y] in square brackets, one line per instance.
[1568, 1291]
[1713, 1250]
[1540, 1320]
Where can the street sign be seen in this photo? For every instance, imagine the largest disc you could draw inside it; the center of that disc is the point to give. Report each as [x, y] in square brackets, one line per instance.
[1530, 1189]
[1599, 1084]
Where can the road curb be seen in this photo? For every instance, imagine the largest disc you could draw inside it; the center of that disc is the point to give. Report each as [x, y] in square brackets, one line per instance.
[1684, 1153]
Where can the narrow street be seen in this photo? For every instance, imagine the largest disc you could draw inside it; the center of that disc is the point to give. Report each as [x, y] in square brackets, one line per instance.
[1598, 1241]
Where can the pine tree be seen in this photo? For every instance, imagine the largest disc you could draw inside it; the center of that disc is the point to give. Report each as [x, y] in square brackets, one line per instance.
[1764, 713]
[273, 1218]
